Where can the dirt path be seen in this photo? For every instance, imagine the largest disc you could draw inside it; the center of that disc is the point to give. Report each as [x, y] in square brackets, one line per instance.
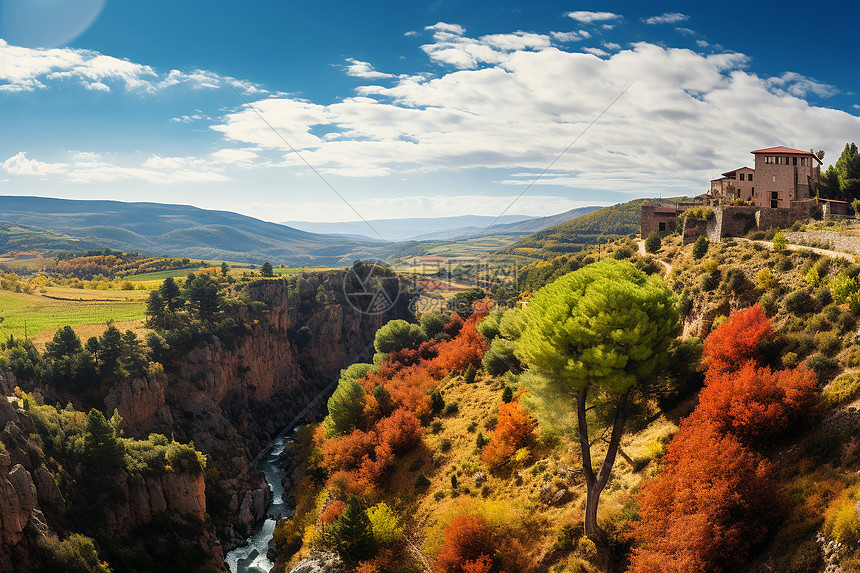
[643, 252]
[793, 247]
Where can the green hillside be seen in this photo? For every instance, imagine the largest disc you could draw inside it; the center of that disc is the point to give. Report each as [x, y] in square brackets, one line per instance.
[14, 237]
[603, 225]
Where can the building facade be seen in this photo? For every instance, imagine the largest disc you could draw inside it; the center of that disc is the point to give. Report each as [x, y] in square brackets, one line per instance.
[737, 185]
[784, 175]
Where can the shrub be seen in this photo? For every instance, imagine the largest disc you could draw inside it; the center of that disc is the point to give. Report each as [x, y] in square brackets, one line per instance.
[470, 374]
[710, 281]
[398, 334]
[841, 390]
[76, 554]
[513, 431]
[652, 243]
[765, 280]
[798, 302]
[821, 364]
[437, 402]
[351, 536]
[184, 458]
[779, 242]
[384, 523]
[700, 247]
[467, 539]
[737, 340]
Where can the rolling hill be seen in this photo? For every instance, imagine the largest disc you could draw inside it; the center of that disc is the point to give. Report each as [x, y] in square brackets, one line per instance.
[180, 230]
[601, 225]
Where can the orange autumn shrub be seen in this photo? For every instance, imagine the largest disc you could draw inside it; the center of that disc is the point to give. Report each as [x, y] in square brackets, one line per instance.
[348, 451]
[455, 355]
[710, 505]
[467, 538]
[401, 430]
[513, 431]
[482, 564]
[756, 404]
[737, 341]
[332, 511]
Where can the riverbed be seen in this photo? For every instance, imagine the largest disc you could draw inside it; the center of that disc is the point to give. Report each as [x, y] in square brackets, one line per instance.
[251, 558]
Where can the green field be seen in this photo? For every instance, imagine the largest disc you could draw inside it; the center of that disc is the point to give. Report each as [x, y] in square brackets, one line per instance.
[46, 314]
[286, 271]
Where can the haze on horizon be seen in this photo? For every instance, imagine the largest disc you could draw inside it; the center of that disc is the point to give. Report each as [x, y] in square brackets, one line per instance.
[417, 111]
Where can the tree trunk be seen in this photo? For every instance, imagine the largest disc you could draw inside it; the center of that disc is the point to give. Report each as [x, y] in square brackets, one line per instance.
[595, 484]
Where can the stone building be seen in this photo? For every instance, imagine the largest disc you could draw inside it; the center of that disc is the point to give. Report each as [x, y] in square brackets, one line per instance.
[777, 192]
[784, 175]
[734, 185]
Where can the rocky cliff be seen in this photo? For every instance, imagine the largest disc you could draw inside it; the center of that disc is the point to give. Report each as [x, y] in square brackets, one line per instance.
[232, 398]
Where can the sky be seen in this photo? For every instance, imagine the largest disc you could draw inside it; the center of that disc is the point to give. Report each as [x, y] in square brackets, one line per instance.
[296, 110]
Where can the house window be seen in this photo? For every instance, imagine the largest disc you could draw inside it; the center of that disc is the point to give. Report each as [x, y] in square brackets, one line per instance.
[794, 160]
[742, 176]
[802, 161]
[774, 178]
[774, 195]
[774, 204]
[753, 191]
[662, 227]
[750, 177]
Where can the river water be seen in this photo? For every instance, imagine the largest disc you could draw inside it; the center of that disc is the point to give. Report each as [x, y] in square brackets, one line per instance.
[251, 558]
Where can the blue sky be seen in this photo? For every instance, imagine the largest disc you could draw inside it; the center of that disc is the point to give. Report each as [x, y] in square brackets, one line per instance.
[412, 109]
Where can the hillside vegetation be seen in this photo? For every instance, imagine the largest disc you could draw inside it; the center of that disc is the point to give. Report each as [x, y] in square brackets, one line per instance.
[738, 455]
[601, 226]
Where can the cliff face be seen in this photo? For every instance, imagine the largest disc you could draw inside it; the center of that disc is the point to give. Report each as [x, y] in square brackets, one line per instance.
[231, 400]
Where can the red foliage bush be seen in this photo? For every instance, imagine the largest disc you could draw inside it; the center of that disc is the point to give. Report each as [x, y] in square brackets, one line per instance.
[455, 355]
[467, 539]
[513, 431]
[401, 431]
[756, 404]
[737, 341]
[330, 514]
[709, 506]
[482, 564]
[348, 452]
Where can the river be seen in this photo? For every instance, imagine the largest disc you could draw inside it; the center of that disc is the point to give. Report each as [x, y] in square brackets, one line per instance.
[251, 558]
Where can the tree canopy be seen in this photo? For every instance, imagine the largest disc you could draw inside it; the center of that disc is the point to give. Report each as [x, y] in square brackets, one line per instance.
[607, 324]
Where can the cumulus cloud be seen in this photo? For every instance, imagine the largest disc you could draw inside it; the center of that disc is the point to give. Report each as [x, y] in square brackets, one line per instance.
[800, 86]
[450, 46]
[31, 69]
[518, 104]
[20, 164]
[590, 17]
[359, 69]
[88, 167]
[568, 36]
[667, 18]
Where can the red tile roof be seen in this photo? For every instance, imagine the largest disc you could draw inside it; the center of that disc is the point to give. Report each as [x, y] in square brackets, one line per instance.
[738, 169]
[785, 150]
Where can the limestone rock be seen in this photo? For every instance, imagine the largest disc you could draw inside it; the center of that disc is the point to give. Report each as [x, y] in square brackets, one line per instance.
[48, 493]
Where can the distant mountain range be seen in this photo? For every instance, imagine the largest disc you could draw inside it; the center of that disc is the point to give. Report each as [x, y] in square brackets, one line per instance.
[441, 228]
[411, 228]
[39, 223]
[181, 230]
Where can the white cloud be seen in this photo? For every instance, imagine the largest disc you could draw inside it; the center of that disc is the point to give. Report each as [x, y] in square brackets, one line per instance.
[667, 18]
[20, 164]
[89, 167]
[596, 51]
[856, 106]
[451, 47]
[801, 86]
[31, 69]
[611, 46]
[686, 116]
[686, 31]
[702, 43]
[567, 36]
[359, 69]
[590, 17]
